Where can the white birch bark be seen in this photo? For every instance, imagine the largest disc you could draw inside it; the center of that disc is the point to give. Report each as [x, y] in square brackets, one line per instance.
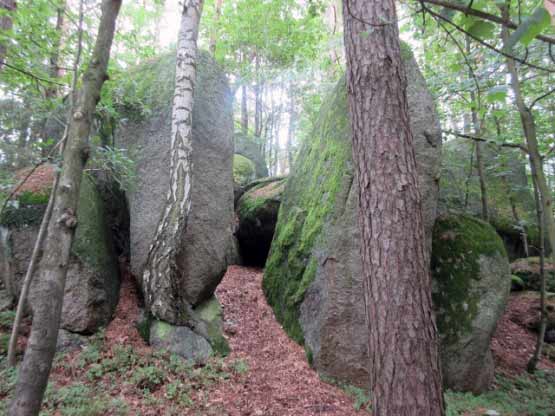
[161, 274]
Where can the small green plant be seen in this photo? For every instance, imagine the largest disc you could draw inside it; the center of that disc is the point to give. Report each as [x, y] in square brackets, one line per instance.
[80, 400]
[117, 163]
[177, 393]
[240, 366]
[361, 397]
[149, 378]
[34, 198]
[6, 319]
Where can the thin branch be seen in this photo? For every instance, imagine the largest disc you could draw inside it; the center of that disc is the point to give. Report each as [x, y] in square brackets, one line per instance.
[488, 45]
[29, 74]
[479, 139]
[541, 97]
[483, 15]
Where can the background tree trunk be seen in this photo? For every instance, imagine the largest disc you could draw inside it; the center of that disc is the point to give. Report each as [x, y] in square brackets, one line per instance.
[161, 270]
[214, 31]
[41, 347]
[5, 24]
[403, 341]
[244, 110]
[529, 129]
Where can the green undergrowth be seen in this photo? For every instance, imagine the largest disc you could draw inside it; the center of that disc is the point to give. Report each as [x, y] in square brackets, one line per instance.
[457, 244]
[361, 397]
[527, 395]
[111, 381]
[309, 201]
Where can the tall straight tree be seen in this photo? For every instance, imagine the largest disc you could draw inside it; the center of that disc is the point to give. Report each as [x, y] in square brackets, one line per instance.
[160, 271]
[47, 310]
[403, 340]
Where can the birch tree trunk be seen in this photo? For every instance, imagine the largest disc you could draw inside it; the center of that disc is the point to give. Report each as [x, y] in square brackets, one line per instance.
[41, 347]
[161, 275]
[402, 336]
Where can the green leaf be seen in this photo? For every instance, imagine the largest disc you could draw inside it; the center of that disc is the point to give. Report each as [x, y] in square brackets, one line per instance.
[530, 27]
[497, 94]
[482, 29]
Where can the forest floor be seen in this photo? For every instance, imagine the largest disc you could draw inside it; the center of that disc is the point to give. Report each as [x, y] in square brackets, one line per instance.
[266, 373]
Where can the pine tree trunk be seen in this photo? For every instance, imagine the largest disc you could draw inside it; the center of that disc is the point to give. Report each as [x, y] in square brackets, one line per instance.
[41, 347]
[403, 340]
[161, 272]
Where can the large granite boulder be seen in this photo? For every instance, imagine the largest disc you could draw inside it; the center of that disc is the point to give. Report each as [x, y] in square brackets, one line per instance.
[471, 285]
[313, 273]
[207, 245]
[257, 211]
[510, 200]
[313, 277]
[243, 170]
[92, 284]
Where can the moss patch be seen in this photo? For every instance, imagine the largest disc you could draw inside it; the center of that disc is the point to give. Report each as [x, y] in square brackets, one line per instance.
[244, 170]
[458, 242]
[309, 202]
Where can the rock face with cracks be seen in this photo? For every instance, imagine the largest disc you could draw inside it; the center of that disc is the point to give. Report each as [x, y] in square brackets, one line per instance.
[313, 277]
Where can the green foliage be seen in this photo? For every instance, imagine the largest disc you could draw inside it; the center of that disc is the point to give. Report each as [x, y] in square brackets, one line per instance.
[240, 366]
[525, 395]
[530, 27]
[34, 198]
[117, 164]
[150, 377]
[80, 400]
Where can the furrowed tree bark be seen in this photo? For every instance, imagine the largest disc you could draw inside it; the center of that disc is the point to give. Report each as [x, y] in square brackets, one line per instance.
[161, 271]
[529, 128]
[41, 347]
[403, 340]
[5, 24]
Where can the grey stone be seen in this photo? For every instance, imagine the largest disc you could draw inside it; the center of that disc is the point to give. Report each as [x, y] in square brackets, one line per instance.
[471, 285]
[92, 283]
[207, 246]
[69, 341]
[180, 340]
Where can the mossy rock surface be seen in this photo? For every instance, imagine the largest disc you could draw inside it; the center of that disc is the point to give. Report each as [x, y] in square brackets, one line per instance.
[257, 211]
[471, 284]
[92, 284]
[313, 273]
[243, 170]
[528, 270]
[508, 190]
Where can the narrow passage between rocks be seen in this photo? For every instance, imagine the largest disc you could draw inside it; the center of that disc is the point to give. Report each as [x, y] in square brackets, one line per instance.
[279, 380]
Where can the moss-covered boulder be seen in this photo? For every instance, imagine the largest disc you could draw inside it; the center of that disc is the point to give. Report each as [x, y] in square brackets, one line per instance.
[243, 170]
[528, 270]
[313, 277]
[257, 211]
[471, 285]
[206, 340]
[510, 200]
[250, 147]
[92, 284]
